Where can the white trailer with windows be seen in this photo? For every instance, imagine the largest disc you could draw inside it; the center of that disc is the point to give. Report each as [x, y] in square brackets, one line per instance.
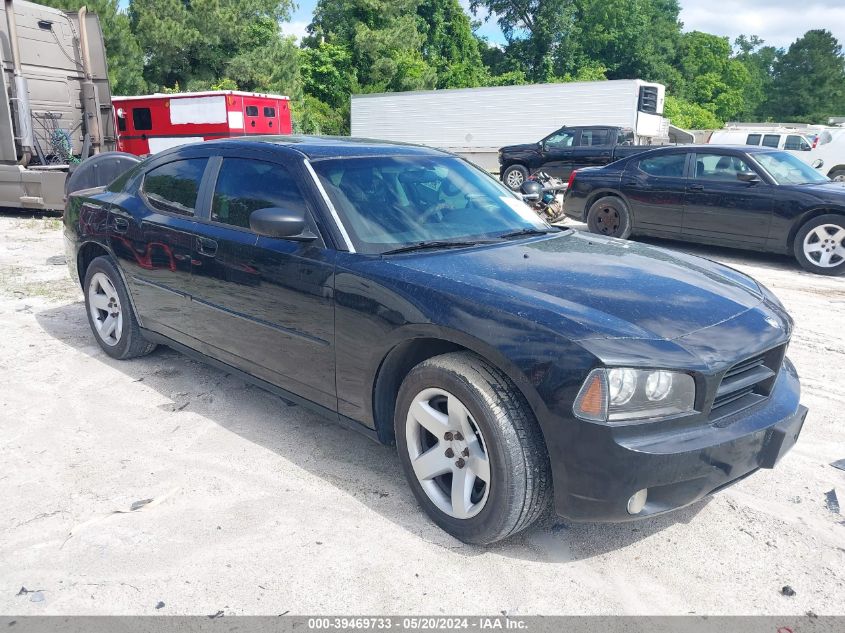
[476, 122]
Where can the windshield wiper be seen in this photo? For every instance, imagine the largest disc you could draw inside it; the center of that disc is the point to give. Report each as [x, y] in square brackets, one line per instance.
[527, 232]
[421, 246]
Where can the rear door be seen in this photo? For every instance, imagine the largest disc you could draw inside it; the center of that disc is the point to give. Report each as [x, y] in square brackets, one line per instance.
[655, 187]
[558, 153]
[152, 234]
[265, 305]
[595, 147]
[723, 208]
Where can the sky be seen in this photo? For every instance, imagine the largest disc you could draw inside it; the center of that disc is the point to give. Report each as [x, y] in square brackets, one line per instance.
[778, 22]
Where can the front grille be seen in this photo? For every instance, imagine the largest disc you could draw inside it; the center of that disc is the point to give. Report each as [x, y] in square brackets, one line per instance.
[747, 383]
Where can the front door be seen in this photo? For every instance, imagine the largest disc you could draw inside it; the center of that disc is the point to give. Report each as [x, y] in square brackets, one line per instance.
[654, 187]
[721, 206]
[153, 235]
[265, 305]
[558, 153]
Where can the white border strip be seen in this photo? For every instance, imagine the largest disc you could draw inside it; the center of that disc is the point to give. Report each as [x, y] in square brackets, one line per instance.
[329, 204]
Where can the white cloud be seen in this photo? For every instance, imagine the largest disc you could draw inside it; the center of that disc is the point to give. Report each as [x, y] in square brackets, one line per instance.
[778, 22]
[297, 28]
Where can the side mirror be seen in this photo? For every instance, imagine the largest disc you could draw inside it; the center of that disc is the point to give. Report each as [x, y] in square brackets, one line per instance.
[817, 164]
[750, 178]
[282, 223]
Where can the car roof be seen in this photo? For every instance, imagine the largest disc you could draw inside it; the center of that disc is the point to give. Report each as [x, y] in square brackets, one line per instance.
[745, 149]
[317, 147]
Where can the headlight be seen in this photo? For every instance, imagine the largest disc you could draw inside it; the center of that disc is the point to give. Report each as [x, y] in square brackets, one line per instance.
[623, 394]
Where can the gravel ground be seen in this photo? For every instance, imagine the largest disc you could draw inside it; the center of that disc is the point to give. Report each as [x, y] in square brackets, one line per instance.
[259, 507]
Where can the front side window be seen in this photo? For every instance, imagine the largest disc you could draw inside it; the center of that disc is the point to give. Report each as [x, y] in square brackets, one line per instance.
[561, 139]
[594, 137]
[796, 143]
[142, 119]
[771, 140]
[174, 187]
[720, 167]
[787, 169]
[244, 186]
[389, 202]
[671, 166]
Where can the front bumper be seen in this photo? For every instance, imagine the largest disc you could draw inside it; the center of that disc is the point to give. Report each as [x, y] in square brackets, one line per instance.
[596, 476]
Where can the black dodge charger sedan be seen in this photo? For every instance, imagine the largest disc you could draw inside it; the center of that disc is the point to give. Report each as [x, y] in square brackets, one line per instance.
[403, 292]
[740, 196]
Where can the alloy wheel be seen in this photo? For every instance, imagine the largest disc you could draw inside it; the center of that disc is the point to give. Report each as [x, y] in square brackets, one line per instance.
[515, 179]
[106, 313]
[448, 453]
[824, 245]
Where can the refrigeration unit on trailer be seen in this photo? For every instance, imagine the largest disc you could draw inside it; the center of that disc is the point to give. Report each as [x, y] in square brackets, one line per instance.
[55, 110]
[476, 122]
[152, 123]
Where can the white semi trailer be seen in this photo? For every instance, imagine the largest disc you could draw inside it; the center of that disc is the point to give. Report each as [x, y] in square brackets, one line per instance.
[476, 122]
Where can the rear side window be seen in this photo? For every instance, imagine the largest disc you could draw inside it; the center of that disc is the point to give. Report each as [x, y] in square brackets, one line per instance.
[671, 166]
[753, 139]
[269, 112]
[771, 140]
[174, 187]
[244, 186]
[142, 119]
[252, 110]
[594, 137]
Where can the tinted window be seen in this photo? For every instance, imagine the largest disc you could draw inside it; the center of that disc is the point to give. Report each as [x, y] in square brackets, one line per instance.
[771, 140]
[753, 139]
[142, 119]
[561, 139]
[244, 186]
[121, 124]
[269, 112]
[796, 142]
[626, 137]
[252, 110]
[670, 166]
[720, 167]
[174, 187]
[594, 137]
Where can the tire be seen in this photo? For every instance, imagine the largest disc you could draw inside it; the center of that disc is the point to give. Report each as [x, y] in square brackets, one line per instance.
[514, 176]
[820, 245]
[487, 430]
[837, 175]
[610, 216]
[106, 298]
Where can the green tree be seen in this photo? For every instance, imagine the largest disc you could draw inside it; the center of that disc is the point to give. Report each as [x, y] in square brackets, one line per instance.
[809, 79]
[193, 42]
[122, 50]
[449, 45]
[690, 116]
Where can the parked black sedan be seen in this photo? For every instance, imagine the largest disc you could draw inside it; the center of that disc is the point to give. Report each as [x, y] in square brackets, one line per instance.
[405, 293]
[745, 197]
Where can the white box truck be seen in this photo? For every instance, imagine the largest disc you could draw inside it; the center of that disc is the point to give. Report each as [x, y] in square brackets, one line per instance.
[476, 122]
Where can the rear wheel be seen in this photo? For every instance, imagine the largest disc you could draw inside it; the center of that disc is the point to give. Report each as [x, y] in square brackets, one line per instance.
[514, 176]
[837, 175]
[110, 313]
[471, 449]
[820, 245]
[610, 216]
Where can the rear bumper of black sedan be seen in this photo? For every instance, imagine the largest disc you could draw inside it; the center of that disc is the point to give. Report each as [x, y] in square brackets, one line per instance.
[600, 479]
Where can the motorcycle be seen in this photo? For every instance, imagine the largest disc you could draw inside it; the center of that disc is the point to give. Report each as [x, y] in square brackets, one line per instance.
[540, 191]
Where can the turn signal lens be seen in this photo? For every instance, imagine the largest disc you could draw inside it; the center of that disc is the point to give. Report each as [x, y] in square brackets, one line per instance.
[591, 403]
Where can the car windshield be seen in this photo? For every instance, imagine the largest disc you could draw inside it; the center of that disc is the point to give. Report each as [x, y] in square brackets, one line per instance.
[786, 169]
[390, 202]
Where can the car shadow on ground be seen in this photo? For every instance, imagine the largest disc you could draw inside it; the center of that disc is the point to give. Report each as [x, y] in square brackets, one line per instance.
[354, 464]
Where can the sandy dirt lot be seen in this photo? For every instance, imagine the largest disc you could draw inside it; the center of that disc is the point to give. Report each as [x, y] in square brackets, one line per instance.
[259, 507]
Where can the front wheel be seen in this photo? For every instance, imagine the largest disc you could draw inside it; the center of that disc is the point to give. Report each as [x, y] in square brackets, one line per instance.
[514, 176]
[471, 449]
[820, 245]
[110, 313]
[610, 216]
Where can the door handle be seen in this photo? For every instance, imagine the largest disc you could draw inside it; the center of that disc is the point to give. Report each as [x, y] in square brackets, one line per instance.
[206, 247]
[696, 187]
[121, 225]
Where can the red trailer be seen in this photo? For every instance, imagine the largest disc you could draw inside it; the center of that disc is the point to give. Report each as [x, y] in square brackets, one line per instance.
[152, 123]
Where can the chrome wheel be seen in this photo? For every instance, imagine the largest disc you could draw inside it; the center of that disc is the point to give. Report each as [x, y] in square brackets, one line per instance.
[824, 245]
[448, 453]
[106, 313]
[514, 179]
